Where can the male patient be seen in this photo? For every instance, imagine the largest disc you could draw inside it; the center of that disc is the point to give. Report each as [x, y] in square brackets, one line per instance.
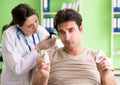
[72, 64]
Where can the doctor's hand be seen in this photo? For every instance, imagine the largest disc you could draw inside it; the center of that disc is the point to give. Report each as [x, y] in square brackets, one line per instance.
[45, 44]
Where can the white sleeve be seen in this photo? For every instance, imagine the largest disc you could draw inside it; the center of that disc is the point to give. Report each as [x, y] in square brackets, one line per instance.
[18, 63]
[43, 33]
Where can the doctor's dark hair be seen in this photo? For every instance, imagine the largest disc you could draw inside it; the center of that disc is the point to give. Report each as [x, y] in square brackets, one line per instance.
[65, 15]
[20, 13]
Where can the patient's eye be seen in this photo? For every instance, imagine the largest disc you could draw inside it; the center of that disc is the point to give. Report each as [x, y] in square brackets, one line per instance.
[61, 32]
[71, 30]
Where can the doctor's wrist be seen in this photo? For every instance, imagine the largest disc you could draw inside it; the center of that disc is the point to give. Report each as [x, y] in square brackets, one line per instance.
[38, 49]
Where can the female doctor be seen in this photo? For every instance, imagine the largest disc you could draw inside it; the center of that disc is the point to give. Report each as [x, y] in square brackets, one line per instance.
[21, 44]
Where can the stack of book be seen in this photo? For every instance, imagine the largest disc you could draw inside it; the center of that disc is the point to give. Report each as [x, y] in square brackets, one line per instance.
[74, 5]
[47, 21]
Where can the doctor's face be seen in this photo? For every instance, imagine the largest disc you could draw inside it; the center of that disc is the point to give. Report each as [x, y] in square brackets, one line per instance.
[30, 25]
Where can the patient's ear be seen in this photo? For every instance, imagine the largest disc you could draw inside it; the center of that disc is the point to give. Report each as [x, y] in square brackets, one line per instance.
[81, 28]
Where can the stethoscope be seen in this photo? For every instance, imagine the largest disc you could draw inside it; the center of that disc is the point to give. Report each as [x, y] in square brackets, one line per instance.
[18, 36]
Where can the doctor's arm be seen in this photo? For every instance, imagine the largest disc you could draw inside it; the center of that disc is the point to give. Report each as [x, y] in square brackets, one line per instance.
[17, 63]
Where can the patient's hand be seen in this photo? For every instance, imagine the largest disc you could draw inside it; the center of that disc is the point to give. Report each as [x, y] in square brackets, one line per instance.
[43, 68]
[103, 66]
[105, 71]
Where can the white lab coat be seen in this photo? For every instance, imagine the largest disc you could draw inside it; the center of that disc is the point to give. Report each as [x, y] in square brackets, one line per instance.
[18, 60]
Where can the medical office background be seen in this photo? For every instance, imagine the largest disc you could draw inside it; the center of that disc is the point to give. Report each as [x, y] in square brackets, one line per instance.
[97, 21]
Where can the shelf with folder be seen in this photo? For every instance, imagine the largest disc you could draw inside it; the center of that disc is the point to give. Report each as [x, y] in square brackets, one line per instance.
[50, 7]
[115, 33]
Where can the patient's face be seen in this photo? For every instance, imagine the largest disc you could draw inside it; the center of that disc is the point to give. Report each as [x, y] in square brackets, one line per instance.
[70, 34]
